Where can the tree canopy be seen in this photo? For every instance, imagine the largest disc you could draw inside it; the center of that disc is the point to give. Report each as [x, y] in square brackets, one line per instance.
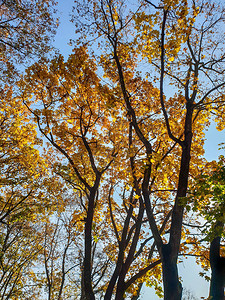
[102, 152]
[26, 29]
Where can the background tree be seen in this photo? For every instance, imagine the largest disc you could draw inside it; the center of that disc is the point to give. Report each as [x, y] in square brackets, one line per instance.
[59, 256]
[209, 202]
[26, 194]
[26, 28]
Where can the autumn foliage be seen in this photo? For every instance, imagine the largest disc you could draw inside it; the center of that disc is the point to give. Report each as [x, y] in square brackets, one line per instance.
[102, 152]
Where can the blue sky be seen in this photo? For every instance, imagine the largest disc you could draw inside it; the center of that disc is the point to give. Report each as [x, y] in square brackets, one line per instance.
[188, 269]
[213, 138]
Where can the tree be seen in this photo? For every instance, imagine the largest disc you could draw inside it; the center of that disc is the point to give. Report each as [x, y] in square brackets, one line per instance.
[19, 246]
[26, 29]
[23, 170]
[60, 262]
[179, 40]
[26, 193]
[208, 193]
[72, 107]
[126, 130]
[72, 110]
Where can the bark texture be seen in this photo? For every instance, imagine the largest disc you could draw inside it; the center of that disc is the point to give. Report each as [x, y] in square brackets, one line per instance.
[217, 264]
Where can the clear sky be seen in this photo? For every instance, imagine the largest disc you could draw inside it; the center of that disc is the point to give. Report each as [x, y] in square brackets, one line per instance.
[188, 270]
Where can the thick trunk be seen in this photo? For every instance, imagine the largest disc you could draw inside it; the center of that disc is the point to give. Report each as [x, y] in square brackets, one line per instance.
[87, 272]
[172, 285]
[218, 271]
[170, 251]
[120, 292]
[217, 284]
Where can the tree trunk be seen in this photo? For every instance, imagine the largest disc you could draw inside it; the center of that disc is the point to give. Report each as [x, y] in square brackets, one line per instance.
[217, 264]
[120, 292]
[172, 285]
[87, 278]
